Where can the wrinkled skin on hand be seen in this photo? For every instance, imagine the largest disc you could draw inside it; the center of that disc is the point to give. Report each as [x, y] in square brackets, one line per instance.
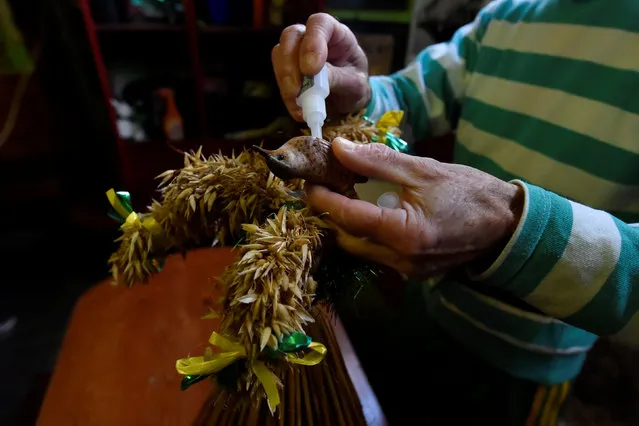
[449, 215]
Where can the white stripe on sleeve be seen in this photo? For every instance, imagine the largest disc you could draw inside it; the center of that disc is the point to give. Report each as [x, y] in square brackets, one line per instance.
[578, 114]
[592, 44]
[591, 255]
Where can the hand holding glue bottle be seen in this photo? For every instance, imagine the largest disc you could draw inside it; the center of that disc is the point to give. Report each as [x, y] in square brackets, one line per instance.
[312, 100]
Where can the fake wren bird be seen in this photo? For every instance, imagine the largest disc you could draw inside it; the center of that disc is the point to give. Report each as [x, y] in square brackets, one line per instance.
[311, 159]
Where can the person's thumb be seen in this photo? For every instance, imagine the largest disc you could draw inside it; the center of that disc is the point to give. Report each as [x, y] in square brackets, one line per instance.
[375, 160]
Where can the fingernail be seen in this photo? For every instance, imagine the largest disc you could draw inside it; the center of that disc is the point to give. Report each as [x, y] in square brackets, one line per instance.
[309, 61]
[345, 144]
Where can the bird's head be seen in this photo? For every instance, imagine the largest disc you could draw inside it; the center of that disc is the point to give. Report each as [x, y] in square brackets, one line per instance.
[283, 162]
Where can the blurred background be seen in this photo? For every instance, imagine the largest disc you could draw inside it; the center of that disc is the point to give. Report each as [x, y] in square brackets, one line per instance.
[97, 94]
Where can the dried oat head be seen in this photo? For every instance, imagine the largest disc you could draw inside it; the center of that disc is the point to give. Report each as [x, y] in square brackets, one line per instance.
[205, 203]
[132, 261]
[270, 287]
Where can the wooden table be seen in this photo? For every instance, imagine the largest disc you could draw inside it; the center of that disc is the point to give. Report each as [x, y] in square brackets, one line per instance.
[117, 363]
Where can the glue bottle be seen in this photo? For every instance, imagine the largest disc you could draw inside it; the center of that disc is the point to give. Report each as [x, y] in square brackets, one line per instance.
[312, 100]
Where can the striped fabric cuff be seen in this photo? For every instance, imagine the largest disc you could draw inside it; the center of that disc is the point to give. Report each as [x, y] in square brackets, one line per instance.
[376, 104]
[383, 97]
[535, 218]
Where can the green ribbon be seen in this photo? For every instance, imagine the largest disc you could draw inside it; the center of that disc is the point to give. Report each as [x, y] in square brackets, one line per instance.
[124, 207]
[289, 344]
[294, 342]
[188, 381]
[390, 139]
[396, 143]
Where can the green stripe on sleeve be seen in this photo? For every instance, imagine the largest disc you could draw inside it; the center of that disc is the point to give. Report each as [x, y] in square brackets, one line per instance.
[556, 142]
[436, 79]
[539, 332]
[518, 10]
[384, 96]
[626, 217]
[534, 220]
[483, 18]
[375, 93]
[467, 47]
[415, 109]
[468, 158]
[548, 251]
[620, 14]
[586, 79]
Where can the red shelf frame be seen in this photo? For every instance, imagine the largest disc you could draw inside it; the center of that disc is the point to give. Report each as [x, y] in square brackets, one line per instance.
[92, 34]
[198, 74]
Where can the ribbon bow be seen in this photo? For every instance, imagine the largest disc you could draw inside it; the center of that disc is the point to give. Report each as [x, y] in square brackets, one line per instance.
[198, 368]
[122, 212]
[387, 121]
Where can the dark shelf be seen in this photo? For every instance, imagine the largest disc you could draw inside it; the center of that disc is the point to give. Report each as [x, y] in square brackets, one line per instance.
[232, 29]
[141, 56]
[172, 148]
[202, 28]
[134, 27]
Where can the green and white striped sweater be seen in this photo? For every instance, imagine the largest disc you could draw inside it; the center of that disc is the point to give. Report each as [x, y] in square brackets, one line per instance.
[544, 93]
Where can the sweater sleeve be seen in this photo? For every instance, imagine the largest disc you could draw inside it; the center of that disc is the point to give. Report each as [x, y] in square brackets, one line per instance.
[430, 89]
[574, 263]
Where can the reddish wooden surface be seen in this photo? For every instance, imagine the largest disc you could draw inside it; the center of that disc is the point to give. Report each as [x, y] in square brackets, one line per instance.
[117, 363]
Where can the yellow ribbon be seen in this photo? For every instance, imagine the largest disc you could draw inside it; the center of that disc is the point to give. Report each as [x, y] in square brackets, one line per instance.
[389, 120]
[233, 351]
[132, 217]
[312, 358]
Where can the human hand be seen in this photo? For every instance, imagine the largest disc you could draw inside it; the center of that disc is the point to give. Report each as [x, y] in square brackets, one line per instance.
[448, 215]
[304, 49]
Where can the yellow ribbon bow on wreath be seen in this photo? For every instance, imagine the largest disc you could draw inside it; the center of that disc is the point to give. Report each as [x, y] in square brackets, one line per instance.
[123, 212]
[199, 367]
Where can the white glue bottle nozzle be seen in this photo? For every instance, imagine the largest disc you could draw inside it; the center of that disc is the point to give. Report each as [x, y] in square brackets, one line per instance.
[312, 100]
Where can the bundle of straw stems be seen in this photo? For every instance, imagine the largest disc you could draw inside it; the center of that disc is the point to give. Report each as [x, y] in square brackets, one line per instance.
[312, 396]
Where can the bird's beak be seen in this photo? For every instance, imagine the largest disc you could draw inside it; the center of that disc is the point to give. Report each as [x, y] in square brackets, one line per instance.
[279, 168]
[265, 152]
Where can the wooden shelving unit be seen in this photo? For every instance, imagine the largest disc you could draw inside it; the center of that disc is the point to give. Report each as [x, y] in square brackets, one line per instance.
[204, 55]
[198, 48]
